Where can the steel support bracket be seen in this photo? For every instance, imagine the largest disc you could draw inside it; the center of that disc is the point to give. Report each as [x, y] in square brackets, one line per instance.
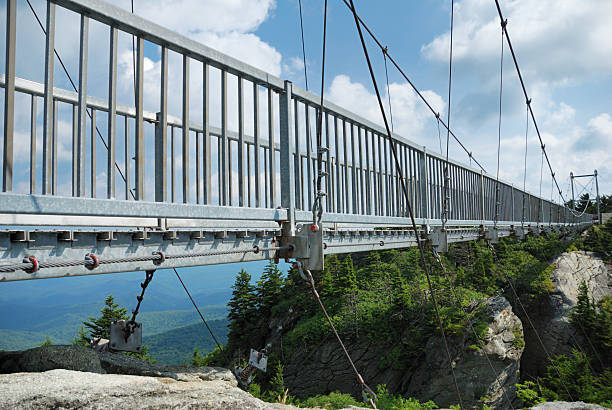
[438, 237]
[519, 232]
[490, 233]
[308, 247]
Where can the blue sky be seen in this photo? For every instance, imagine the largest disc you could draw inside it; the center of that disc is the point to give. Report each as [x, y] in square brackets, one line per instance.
[562, 46]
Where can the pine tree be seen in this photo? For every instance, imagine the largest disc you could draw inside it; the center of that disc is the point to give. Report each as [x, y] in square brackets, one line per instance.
[583, 315]
[100, 327]
[269, 289]
[241, 308]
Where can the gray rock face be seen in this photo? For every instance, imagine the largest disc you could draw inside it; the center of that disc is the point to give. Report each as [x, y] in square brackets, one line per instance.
[68, 389]
[551, 317]
[486, 373]
[564, 405]
[45, 358]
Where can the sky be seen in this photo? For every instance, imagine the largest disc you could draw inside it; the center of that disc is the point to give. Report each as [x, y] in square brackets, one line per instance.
[562, 47]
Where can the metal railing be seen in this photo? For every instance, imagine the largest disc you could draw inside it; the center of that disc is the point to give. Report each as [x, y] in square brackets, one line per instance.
[225, 174]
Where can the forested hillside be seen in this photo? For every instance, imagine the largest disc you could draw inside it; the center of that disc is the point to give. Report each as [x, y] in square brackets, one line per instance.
[383, 297]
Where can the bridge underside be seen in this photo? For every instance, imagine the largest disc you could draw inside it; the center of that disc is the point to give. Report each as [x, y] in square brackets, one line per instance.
[64, 245]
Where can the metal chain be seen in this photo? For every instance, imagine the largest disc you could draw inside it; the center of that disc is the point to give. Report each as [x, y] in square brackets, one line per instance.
[317, 206]
[131, 324]
[367, 393]
[30, 264]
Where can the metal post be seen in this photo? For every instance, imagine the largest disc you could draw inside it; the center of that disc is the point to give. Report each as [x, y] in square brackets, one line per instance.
[185, 122]
[47, 179]
[82, 108]
[112, 116]
[424, 186]
[597, 193]
[482, 197]
[573, 199]
[9, 95]
[139, 144]
[286, 157]
[161, 134]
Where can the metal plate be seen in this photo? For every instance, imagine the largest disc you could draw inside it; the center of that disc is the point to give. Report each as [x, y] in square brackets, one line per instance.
[258, 360]
[118, 341]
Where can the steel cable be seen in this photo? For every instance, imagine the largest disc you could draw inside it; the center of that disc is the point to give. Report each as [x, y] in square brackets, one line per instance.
[406, 196]
[501, 89]
[478, 340]
[156, 257]
[414, 88]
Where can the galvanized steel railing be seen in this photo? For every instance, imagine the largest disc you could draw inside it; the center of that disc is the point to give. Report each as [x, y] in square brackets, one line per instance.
[266, 176]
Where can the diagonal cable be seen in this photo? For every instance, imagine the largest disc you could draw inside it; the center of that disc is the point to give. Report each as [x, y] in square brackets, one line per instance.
[406, 197]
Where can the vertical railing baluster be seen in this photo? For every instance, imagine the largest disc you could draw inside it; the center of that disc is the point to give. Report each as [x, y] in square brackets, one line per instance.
[266, 179]
[197, 167]
[328, 167]
[338, 191]
[82, 108]
[310, 163]
[256, 148]
[161, 134]
[48, 104]
[207, 147]
[345, 189]
[75, 149]
[271, 150]
[362, 193]
[139, 144]
[368, 184]
[9, 95]
[240, 142]
[354, 168]
[286, 158]
[297, 159]
[383, 198]
[172, 165]
[127, 157]
[112, 114]
[33, 145]
[230, 165]
[54, 151]
[248, 173]
[185, 129]
[93, 153]
[224, 174]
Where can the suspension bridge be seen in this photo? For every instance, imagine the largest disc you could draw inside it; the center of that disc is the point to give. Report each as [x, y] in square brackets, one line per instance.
[240, 196]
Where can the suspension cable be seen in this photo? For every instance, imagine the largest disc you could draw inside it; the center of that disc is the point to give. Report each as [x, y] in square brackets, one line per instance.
[317, 208]
[414, 88]
[518, 71]
[525, 171]
[508, 280]
[303, 46]
[366, 390]
[499, 123]
[384, 52]
[446, 197]
[406, 196]
[478, 339]
[198, 310]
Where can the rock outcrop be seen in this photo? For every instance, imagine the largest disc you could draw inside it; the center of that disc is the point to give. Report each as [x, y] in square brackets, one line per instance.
[69, 389]
[484, 375]
[564, 405]
[551, 315]
[77, 377]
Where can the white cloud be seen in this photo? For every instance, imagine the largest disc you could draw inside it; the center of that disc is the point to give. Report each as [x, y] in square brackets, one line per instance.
[409, 113]
[560, 40]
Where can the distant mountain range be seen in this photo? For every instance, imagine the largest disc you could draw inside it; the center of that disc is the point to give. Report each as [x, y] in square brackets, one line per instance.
[32, 310]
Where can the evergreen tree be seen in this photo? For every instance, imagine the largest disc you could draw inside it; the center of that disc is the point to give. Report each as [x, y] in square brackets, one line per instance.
[242, 307]
[583, 315]
[100, 327]
[269, 289]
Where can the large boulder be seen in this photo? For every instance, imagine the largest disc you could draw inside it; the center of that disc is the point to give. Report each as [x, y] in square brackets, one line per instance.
[550, 316]
[45, 358]
[564, 405]
[485, 374]
[68, 389]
